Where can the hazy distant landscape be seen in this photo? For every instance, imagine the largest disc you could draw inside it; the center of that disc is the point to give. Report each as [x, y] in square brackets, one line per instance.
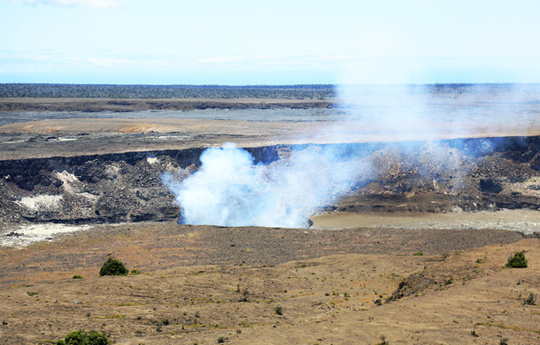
[168, 91]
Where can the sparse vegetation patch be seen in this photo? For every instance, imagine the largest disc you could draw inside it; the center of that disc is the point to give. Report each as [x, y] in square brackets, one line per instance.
[518, 260]
[113, 267]
[84, 338]
[531, 300]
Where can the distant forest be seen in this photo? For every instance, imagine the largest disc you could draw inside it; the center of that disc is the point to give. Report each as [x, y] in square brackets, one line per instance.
[307, 92]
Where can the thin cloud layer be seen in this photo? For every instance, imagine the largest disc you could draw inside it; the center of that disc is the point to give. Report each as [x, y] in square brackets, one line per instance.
[83, 3]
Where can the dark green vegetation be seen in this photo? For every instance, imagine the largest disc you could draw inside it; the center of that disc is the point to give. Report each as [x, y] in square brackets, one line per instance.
[531, 300]
[383, 341]
[303, 91]
[113, 267]
[167, 91]
[84, 338]
[518, 260]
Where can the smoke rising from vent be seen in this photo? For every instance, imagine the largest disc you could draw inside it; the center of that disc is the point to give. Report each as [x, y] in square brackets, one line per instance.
[230, 190]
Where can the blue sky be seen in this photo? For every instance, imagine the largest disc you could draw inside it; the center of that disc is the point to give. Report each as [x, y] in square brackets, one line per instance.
[272, 42]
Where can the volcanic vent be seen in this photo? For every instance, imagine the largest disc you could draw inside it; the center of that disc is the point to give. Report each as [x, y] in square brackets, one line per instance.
[468, 175]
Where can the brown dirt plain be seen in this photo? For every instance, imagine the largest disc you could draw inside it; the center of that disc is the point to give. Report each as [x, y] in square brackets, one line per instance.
[121, 105]
[99, 135]
[207, 284]
[199, 284]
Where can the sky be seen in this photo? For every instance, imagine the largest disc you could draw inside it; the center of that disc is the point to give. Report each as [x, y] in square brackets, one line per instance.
[245, 42]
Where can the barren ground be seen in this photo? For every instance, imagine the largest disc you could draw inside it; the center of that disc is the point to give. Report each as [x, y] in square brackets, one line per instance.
[78, 136]
[204, 283]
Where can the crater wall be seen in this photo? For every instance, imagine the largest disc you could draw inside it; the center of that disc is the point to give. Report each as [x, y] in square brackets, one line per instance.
[454, 175]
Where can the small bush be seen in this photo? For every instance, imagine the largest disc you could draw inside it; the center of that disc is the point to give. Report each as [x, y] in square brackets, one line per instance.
[531, 300]
[113, 267]
[135, 271]
[517, 260]
[278, 310]
[77, 277]
[245, 295]
[418, 254]
[84, 338]
[383, 341]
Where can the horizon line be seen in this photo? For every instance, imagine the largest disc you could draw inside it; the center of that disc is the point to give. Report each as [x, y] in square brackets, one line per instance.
[273, 85]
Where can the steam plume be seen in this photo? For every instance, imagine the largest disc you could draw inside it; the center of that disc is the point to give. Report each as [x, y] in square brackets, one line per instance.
[230, 190]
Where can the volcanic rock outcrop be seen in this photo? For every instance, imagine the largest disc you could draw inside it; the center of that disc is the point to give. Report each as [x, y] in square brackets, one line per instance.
[453, 175]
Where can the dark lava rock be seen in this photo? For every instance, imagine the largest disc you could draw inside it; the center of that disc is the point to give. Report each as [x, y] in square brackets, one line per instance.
[489, 186]
[411, 285]
[99, 189]
[422, 177]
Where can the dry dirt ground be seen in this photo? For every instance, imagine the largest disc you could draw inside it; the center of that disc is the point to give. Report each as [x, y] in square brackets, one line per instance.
[79, 136]
[123, 105]
[209, 284]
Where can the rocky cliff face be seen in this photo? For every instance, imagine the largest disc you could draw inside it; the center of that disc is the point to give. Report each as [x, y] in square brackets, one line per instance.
[122, 187]
[472, 174]
[454, 175]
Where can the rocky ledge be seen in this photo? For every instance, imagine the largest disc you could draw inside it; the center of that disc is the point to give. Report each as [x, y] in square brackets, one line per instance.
[465, 174]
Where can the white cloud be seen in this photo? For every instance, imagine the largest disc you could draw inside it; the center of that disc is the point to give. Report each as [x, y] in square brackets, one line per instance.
[308, 61]
[222, 60]
[39, 60]
[83, 3]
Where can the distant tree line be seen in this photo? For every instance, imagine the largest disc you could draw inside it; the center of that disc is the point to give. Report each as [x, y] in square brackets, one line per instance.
[313, 91]
[303, 92]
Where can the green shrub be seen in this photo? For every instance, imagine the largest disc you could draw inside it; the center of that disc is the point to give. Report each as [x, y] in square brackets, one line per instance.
[84, 338]
[135, 271]
[278, 310]
[113, 267]
[77, 277]
[531, 300]
[517, 260]
[418, 253]
[383, 341]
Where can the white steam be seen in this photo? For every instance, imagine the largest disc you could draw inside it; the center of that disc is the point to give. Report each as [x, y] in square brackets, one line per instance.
[230, 190]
